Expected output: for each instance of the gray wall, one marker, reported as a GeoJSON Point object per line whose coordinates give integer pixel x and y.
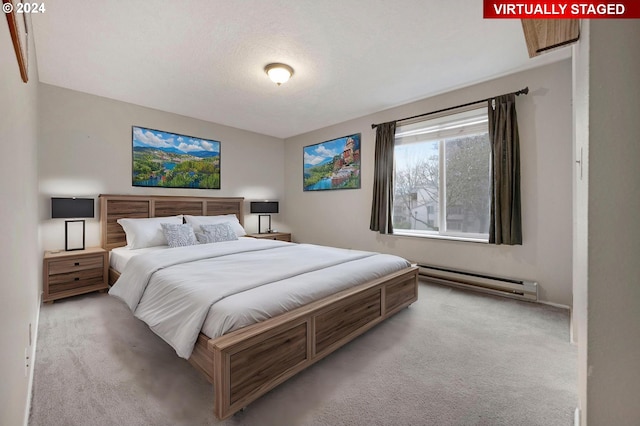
{"type": "Point", "coordinates": [20, 255]}
{"type": "Point", "coordinates": [341, 218]}
{"type": "Point", "coordinates": [85, 150]}
{"type": "Point", "coordinates": [613, 314]}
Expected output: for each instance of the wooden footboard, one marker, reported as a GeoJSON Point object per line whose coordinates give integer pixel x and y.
{"type": "Point", "coordinates": [249, 362]}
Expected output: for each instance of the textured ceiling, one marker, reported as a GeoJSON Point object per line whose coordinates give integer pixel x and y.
{"type": "Point", "coordinates": [205, 58]}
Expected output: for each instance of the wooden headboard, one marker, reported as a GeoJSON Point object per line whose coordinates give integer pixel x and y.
{"type": "Point", "coordinates": [114, 207]}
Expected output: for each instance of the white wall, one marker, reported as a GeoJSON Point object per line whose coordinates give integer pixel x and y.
{"type": "Point", "coordinates": [20, 255]}
{"type": "Point", "coordinates": [341, 218]}
{"type": "Point", "coordinates": [613, 345]}
{"type": "Point", "coordinates": [85, 150]}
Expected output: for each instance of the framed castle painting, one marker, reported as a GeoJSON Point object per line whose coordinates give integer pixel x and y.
{"type": "Point", "coordinates": [333, 164]}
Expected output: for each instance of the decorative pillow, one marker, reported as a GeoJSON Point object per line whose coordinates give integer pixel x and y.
{"type": "Point", "coordinates": [198, 221]}
{"type": "Point", "coordinates": [218, 232]}
{"type": "Point", "coordinates": [146, 232]}
{"type": "Point", "coordinates": [203, 238]}
{"type": "Point", "coordinates": [179, 235]}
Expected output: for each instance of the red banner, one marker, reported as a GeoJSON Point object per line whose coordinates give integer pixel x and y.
{"type": "Point", "coordinates": [571, 9]}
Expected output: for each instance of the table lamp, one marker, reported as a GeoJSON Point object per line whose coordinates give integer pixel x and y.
{"type": "Point", "coordinates": [262, 207]}
{"type": "Point", "coordinates": [72, 208]}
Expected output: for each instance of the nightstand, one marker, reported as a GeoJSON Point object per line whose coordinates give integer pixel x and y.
{"type": "Point", "coordinates": [69, 273]}
{"type": "Point", "coordinates": [282, 236]}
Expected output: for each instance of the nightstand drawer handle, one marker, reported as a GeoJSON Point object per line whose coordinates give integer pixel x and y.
{"type": "Point", "coordinates": [77, 264]}
{"type": "Point", "coordinates": [76, 279]}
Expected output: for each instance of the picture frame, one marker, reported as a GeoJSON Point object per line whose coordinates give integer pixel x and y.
{"type": "Point", "coordinates": [19, 31]}
{"type": "Point", "coordinates": [171, 160]}
{"type": "Point", "coordinates": [333, 164]}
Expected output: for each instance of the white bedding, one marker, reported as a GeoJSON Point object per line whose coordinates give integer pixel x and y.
{"type": "Point", "coordinates": [119, 257]}
{"type": "Point", "coordinates": [217, 288]}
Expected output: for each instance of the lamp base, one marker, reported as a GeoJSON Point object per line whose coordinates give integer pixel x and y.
{"type": "Point", "coordinates": [77, 241]}
{"type": "Point", "coordinates": [268, 231]}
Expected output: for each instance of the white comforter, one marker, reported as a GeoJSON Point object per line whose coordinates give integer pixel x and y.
{"type": "Point", "coordinates": [237, 283]}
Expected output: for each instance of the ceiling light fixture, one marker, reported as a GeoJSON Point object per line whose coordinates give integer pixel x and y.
{"type": "Point", "coordinates": [279, 73]}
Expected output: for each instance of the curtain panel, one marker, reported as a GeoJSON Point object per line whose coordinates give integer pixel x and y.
{"type": "Point", "coordinates": [383, 179]}
{"type": "Point", "coordinates": [506, 221]}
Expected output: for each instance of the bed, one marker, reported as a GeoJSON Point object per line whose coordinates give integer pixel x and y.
{"type": "Point", "coordinates": [245, 363]}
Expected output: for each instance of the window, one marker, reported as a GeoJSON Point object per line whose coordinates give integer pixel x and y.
{"type": "Point", "coordinates": [442, 177]}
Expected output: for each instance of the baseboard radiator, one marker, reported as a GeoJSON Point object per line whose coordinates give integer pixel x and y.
{"type": "Point", "coordinates": [508, 287]}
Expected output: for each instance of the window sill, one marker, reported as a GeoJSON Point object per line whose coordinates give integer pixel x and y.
{"type": "Point", "coordinates": [403, 233]}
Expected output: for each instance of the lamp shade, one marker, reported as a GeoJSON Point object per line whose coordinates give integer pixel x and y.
{"type": "Point", "coordinates": [66, 208]}
{"type": "Point", "coordinates": [264, 207]}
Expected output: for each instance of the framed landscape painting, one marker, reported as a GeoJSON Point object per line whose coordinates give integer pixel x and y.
{"type": "Point", "coordinates": [169, 160]}
{"type": "Point", "coordinates": [333, 164]}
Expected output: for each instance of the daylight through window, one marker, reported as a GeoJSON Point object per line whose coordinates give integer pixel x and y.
{"type": "Point", "coordinates": [442, 177]}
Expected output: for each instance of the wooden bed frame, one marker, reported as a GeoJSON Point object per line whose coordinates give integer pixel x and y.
{"type": "Point", "coordinates": [245, 364]}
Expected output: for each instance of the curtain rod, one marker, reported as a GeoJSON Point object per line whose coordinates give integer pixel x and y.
{"type": "Point", "coordinates": [519, 92]}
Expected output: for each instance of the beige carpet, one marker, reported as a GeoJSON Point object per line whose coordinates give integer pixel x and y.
{"type": "Point", "coordinates": [453, 358]}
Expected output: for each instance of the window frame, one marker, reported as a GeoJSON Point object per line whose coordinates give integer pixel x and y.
{"type": "Point", "coordinates": [446, 234]}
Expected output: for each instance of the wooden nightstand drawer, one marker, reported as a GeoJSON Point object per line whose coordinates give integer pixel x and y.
{"type": "Point", "coordinates": [281, 236]}
{"type": "Point", "coordinates": [77, 283]}
{"type": "Point", "coordinates": [76, 276]}
{"type": "Point", "coordinates": [68, 265]}
{"type": "Point", "coordinates": [71, 273]}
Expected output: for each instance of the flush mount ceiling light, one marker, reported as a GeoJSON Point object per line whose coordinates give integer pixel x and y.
{"type": "Point", "coordinates": [279, 73]}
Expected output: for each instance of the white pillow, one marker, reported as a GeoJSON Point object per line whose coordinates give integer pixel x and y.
{"type": "Point", "coordinates": [179, 235]}
{"type": "Point", "coordinates": [197, 221]}
{"type": "Point", "coordinates": [143, 233]}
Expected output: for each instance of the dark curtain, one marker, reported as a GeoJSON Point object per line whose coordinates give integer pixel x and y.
{"type": "Point", "coordinates": [506, 223]}
{"type": "Point", "coordinates": [383, 179]}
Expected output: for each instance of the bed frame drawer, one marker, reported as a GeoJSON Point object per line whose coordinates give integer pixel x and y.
{"type": "Point", "coordinates": [253, 367]}
{"type": "Point", "coordinates": [398, 295]}
{"type": "Point", "coordinates": [334, 325]}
